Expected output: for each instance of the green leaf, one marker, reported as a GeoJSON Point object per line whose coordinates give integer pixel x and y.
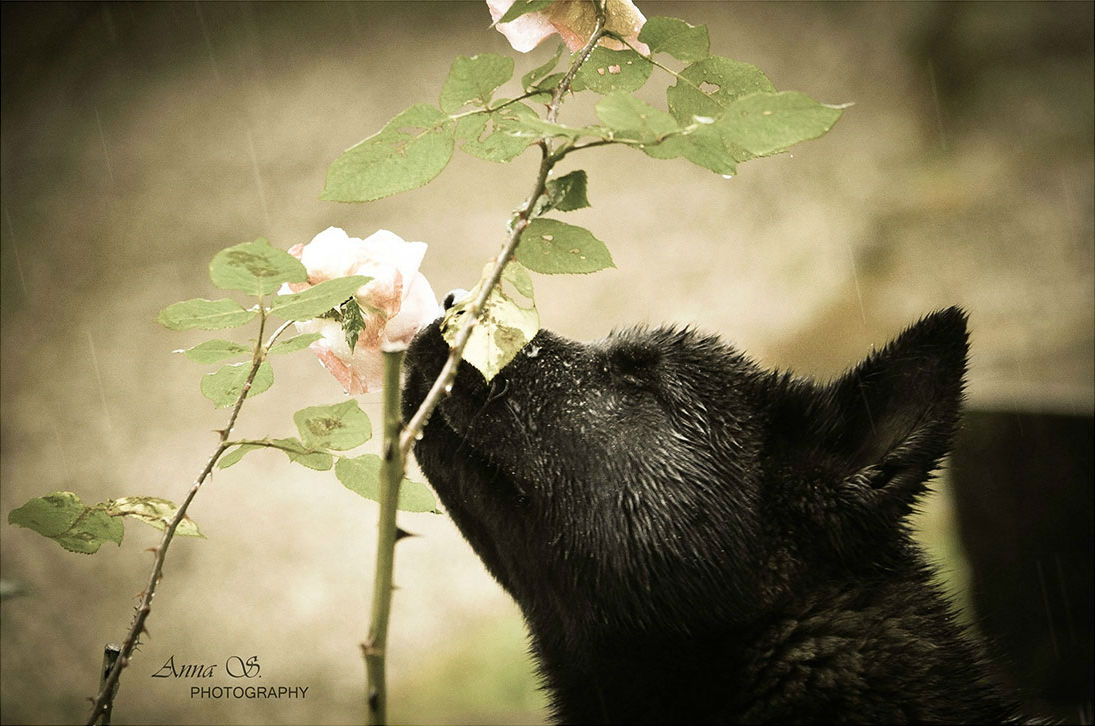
{"type": "Point", "coordinates": [353, 322]}
{"type": "Point", "coordinates": [153, 511]}
{"type": "Point", "coordinates": [361, 475]}
{"type": "Point", "coordinates": [504, 327]}
{"type": "Point", "coordinates": [472, 127]}
{"type": "Point", "coordinates": [607, 71]}
{"type": "Point", "coordinates": [537, 128]}
{"type": "Point", "coordinates": [304, 455]}
{"type": "Point", "coordinates": [62, 517]}
{"type": "Point", "coordinates": [629, 118]}
{"type": "Point", "coordinates": [294, 344]}
{"type": "Point", "coordinates": [255, 268]}
{"type": "Point", "coordinates": [489, 136]}
{"type": "Point", "coordinates": [546, 88]}
{"type": "Point", "coordinates": [410, 151]}
{"type": "Point", "coordinates": [516, 275]}
{"type": "Point", "coordinates": [212, 351]}
{"type": "Point", "coordinates": [551, 247]}
{"type": "Point", "coordinates": [233, 456]}
{"type": "Point", "coordinates": [767, 123]}
{"type": "Point", "coordinates": [704, 146]}
{"type": "Point", "coordinates": [474, 80]}
{"type": "Point", "coordinates": [204, 314]}
{"type": "Point", "coordinates": [531, 80]}
{"type": "Point", "coordinates": [224, 386]}
{"type": "Point", "coordinates": [688, 43]}
{"type": "Point", "coordinates": [339, 426]}
{"type": "Point", "coordinates": [707, 87]}
{"type": "Point", "coordinates": [568, 192]}
{"type": "Point", "coordinates": [317, 300]}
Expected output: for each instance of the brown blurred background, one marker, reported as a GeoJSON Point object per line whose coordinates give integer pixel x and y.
{"type": "Point", "coordinates": [139, 139]}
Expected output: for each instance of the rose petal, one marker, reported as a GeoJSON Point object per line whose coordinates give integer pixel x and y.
{"type": "Point", "coordinates": [573, 20]}
{"type": "Point", "coordinates": [419, 308]}
{"type": "Point", "coordinates": [384, 250]}
{"type": "Point", "coordinates": [325, 257]}
{"type": "Point", "coordinates": [351, 382]}
{"type": "Point", "coordinates": [359, 372]}
{"type": "Point", "coordinates": [524, 33]}
{"type": "Point", "coordinates": [395, 303]}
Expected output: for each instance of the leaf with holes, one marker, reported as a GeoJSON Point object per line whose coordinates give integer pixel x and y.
{"type": "Point", "coordinates": [707, 87]}
{"type": "Point", "coordinates": [504, 326]}
{"type": "Point", "coordinates": [474, 80]}
{"type": "Point", "coordinates": [153, 511]}
{"type": "Point", "coordinates": [62, 517]}
{"type": "Point", "coordinates": [408, 153]}
{"type": "Point", "coordinates": [551, 247]}
{"type": "Point", "coordinates": [688, 43]}
{"type": "Point", "coordinates": [255, 268]}
{"type": "Point", "coordinates": [339, 426]}
{"type": "Point", "coordinates": [489, 136]}
{"type": "Point", "coordinates": [607, 71]}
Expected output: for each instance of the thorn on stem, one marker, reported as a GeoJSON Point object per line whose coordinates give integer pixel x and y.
{"type": "Point", "coordinates": [400, 533]}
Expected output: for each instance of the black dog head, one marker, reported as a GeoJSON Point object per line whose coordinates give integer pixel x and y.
{"type": "Point", "coordinates": [659, 476]}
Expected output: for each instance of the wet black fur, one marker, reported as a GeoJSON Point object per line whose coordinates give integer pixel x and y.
{"type": "Point", "coordinates": [694, 539]}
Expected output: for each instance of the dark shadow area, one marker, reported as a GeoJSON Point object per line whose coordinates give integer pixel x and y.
{"type": "Point", "coordinates": [1022, 482]}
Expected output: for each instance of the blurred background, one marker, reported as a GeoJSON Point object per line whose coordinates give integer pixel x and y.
{"type": "Point", "coordinates": [139, 139]}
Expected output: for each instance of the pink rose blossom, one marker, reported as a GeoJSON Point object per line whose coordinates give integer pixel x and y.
{"type": "Point", "coordinates": [394, 304]}
{"type": "Point", "coordinates": [573, 20]}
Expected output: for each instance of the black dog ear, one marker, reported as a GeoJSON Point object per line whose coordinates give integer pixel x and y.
{"type": "Point", "coordinates": [895, 414]}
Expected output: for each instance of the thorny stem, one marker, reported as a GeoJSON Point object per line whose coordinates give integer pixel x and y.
{"type": "Point", "coordinates": [397, 444]}
{"type": "Point", "coordinates": [374, 649]}
{"type": "Point", "coordinates": [581, 57]}
{"type": "Point", "coordinates": [105, 699]}
{"type": "Point", "coordinates": [549, 157]}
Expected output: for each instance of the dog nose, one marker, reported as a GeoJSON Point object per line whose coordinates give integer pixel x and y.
{"type": "Point", "coordinates": [453, 297]}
